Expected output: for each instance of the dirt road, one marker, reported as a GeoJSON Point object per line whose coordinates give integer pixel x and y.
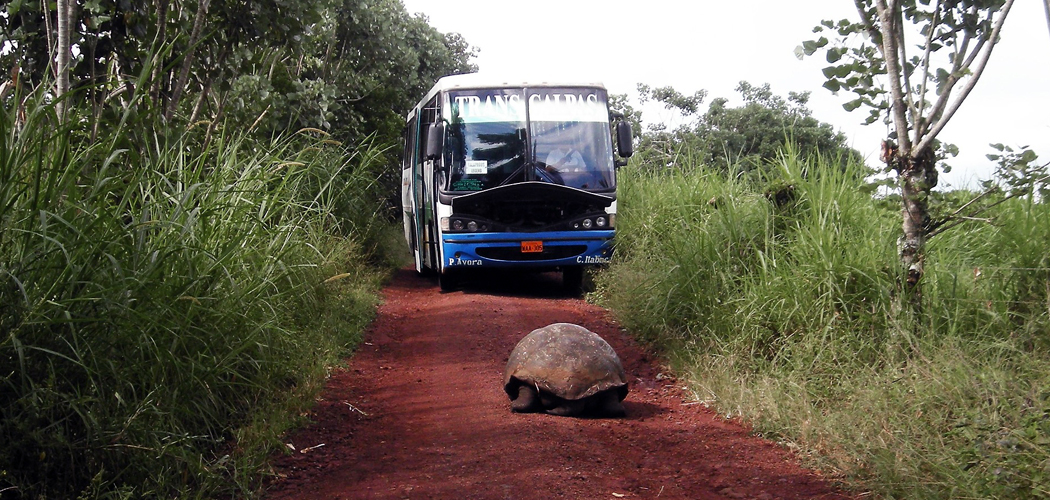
{"type": "Point", "coordinates": [420, 412]}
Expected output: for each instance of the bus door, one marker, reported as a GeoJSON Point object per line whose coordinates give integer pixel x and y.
{"type": "Point", "coordinates": [426, 224]}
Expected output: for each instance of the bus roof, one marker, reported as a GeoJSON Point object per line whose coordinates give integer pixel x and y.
{"type": "Point", "coordinates": [483, 81]}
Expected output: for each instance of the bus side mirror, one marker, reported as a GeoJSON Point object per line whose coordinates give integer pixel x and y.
{"type": "Point", "coordinates": [624, 138]}
{"type": "Point", "coordinates": [435, 140]}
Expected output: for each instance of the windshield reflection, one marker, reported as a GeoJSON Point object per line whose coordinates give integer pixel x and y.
{"type": "Point", "coordinates": [569, 133]}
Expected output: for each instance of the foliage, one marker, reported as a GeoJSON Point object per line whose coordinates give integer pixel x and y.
{"type": "Point", "coordinates": [346, 66]}
{"type": "Point", "coordinates": [742, 139]}
{"type": "Point", "coordinates": [778, 309]}
{"type": "Point", "coordinates": [1019, 172]}
{"type": "Point", "coordinates": [166, 309]}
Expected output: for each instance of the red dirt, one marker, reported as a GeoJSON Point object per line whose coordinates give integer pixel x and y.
{"type": "Point", "coordinates": [420, 412]}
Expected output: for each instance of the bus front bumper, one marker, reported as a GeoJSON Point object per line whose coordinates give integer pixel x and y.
{"type": "Point", "coordinates": [527, 250]}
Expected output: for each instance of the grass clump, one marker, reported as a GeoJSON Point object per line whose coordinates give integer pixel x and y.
{"type": "Point", "coordinates": [776, 301]}
{"type": "Point", "coordinates": [166, 301]}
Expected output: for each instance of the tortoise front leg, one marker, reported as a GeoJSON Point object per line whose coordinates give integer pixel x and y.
{"type": "Point", "coordinates": [569, 408]}
{"type": "Point", "coordinates": [527, 401]}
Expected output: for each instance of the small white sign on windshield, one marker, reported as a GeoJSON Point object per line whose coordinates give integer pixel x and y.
{"type": "Point", "coordinates": [476, 167]}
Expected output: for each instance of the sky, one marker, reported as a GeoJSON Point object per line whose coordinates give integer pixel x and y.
{"type": "Point", "coordinates": [713, 45]}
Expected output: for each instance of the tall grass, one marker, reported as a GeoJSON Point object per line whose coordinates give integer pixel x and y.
{"type": "Point", "coordinates": [776, 303]}
{"type": "Point", "coordinates": [166, 302]}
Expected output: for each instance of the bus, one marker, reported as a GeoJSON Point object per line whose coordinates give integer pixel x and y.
{"type": "Point", "coordinates": [511, 174]}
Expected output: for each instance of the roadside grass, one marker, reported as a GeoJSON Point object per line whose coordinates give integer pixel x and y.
{"type": "Point", "coordinates": [169, 303]}
{"type": "Point", "coordinates": [775, 304]}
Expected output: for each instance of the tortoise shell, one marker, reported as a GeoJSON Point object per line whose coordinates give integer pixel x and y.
{"type": "Point", "coordinates": [566, 360]}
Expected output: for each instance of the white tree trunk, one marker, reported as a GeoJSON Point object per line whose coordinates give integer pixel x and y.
{"type": "Point", "coordinates": [62, 49]}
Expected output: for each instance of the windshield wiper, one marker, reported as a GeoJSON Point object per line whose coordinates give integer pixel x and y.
{"type": "Point", "coordinates": [520, 170]}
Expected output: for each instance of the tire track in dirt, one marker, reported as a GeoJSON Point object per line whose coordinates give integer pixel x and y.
{"type": "Point", "coordinates": [420, 412]}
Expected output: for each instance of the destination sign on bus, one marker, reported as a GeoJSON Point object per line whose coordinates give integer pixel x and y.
{"type": "Point", "coordinates": [544, 105]}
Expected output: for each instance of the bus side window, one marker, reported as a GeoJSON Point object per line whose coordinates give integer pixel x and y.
{"type": "Point", "coordinates": [429, 116]}
{"type": "Point", "coordinates": [411, 133]}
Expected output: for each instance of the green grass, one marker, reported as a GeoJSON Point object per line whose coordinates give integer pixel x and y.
{"type": "Point", "coordinates": [780, 310]}
{"type": "Point", "coordinates": [169, 304]}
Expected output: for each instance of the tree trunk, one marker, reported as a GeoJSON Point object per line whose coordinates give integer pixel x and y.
{"type": "Point", "coordinates": [62, 50]}
{"type": "Point", "coordinates": [162, 39]}
{"type": "Point", "coordinates": [918, 177]}
{"type": "Point", "coordinates": [187, 59]}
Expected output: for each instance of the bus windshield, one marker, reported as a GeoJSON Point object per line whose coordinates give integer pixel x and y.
{"type": "Point", "coordinates": [566, 131]}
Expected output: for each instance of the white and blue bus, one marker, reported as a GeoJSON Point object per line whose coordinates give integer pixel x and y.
{"type": "Point", "coordinates": [518, 174]}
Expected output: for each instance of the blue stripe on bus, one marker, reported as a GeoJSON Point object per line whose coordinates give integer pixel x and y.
{"type": "Point", "coordinates": [461, 250]}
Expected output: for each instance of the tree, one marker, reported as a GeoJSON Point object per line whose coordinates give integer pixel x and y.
{"type": "Point", "coordinates": [917, 93]}
{"type": "Point", "coordinates": [352, 67]}
{"type": "Point", "coordinates": [63, 52]}
{"type": "Point", "coordinates": [740, 139]}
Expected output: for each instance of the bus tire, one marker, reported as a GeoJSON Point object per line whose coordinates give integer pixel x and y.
{"type": "Point", "coordinates": [572, 279]}
{"type": "Point", "coordinates": [447, 280]}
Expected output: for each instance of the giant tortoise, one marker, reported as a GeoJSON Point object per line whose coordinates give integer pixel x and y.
{"type": "Point", "coordinates": [565, 369]}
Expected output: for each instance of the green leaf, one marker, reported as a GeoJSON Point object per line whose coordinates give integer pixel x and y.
{"type": "Point", "coordinates": [852, 105]}
{"type": "Point", "coordinates": [873, 117]}
{"type": "Point", "coordinates": [1029, 156]}
{"type": "Point", "coordinates": [832, 85]}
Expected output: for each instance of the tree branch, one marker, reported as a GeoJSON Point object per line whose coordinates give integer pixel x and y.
{"type": "Point", "coordinates": [869, 25]}
{"type": "Point", "coordinates": [923, 123]}
{"type": "Point", "coordinates": [162, 38]}
{"type": "Point", "coordinates": [958, 64]}
{"type": "Point", "coordinates": [955, 219]}
{"type": "Point", "coordinates": [986, 52]}
{"type": "Point", "coordinates": [888, 27]}
{"type": "Point", "coordinates": [187, 61]}
{"type": "Point", "coordinates": [913, 112]}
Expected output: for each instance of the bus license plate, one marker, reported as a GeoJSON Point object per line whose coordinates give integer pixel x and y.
{"type": "Point", "coordinates": [532, 247]}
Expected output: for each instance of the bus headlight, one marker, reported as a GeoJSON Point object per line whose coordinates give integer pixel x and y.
{"type": "Point", "coordinates": [457, 225]}
{"type": "Point", "coordinates": [473, 226]}
{"type": "Point", "coordinates": [600, 221]}
{"type": "Point", "coordinates": [587, 223]}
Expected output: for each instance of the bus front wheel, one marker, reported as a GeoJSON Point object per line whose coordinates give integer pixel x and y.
{"type": "Point", "coordinates": [447, 280]}
{"type": "Point", "coordinates": [572, 279]}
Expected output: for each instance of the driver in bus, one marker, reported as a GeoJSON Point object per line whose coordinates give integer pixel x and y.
{"type": "Point", "coordinates": [564, 159]}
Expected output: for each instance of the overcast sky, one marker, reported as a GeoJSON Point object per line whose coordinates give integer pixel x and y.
{"type": "Point", "coordinates": [713, 45]}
